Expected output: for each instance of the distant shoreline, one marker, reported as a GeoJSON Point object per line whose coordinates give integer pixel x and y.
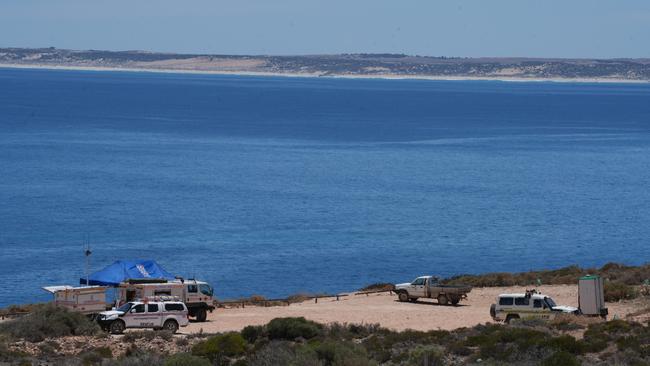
{"type": "Point", "coordinates": [320, 75]}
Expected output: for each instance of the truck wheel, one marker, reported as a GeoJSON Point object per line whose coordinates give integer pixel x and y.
{"type": "Point", "coordinates": [403, 297]}
{"type": "Point", "coordinates": [442, 299]}
{"type": "Point", "coordinates": [117, 327]}
{"type": "Point", "coordinates": [171, 326]}
{"type": "Point", "coordinates": [201, 315]}
{"type": "Point", "coordinates": [511, 317]}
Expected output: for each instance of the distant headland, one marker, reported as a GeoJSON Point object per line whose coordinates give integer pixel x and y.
{"type": "Point", "coordinates": [397, 66]}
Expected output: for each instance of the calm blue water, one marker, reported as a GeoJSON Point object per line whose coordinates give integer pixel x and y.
{"type": "Point", "coordinates": [277, 185]}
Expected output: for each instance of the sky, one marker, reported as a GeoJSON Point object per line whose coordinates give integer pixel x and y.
{"type": "Point", "coordinates": [463, 28]}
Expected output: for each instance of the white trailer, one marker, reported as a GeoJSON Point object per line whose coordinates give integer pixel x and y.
{"type": "Point", "coordinates": [85, 300]}
{"type": "Point", "coordinates": [591, 296]}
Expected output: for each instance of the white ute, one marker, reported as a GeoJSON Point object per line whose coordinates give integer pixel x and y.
{"type": "Point", "coordinates": [166, 315]}
{"type": "Point", "coordinates": [531, 304]}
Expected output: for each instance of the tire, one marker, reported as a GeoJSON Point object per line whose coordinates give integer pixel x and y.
{"type": "Point", "coordinates": [201, 315]}
{"type": "Point", "coordinates": [442, 299]}
{"type": "Point", "coordinates": [170, 325]}
{"type": "Point", "coordinates": [403, 296]}
{"type": "Point", "coordinates": [511, 317]}
{"type": "Point", "coordinates": [117, 327]}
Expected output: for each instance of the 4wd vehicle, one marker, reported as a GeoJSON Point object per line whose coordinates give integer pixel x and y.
{"type": "Point", "coordinates": [197, 295]}
{"type": "Point", "coordinates": [531, 304]}
{"type": "Point", "coordinates": [167, 315]}
{"type": "Point", "coordinates": [429, 286]}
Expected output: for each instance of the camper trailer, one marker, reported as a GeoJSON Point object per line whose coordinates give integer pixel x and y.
{"type": "Point", "coordinates": [86, 300]}
{"type": "Point", "coordinates": [197, 295]}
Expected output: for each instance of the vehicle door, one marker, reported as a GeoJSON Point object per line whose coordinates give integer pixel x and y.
{"type": "Point", "coordinates": [523, 308]}
{"type": "Point", "coordinates": [418, 288]}
{"type": "Point", "coordinates": [192, 294]}
{"type": "Point", "coordinates": [540, 308]}
{"type": "Point", "coordinates": [154, 315]}
{"type": "Point", "coordinates": [134, 317]}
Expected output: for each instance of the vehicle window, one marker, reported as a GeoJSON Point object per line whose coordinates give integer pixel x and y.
{"type": "Point", "coordinates": [205, 289]}
{"type": "Point", "coordinates": [162, 292]}
{"type": "Point", "coordinates": [152, 308]}
{"type": "Point", "coordinates": [522, 301]}
{"type": "Point", "coordinates": [126, 307]}
{"type": "Point", "coordinates": [537, 303]}
{"type": "Point", "coordinates": [138, 308]}
{"type": "Point", "coordinates": [174, 307]}
{"type": "Point", "coordinates": [191, 288]}
{"type": "Point", "coordinates": [551, 304]}
{"type": "Point", "coordinates": [505, 301]}
{"type": "Point", "coordinates": [418, 282]}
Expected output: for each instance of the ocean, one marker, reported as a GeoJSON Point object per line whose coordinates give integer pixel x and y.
{"type": "Point", "coordinates": [275, 185]}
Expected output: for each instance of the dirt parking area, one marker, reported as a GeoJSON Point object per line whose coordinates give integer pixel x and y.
{"type": "Point", "coordinates": [384, 309]}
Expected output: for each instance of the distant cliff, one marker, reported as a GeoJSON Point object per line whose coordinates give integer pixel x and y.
{"type": "Point", "coordinates": [388, 65]}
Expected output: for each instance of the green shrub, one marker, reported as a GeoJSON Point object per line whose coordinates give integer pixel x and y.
{"type": "Point", "coordinates": [252, 332]}
{"type": "Point", "coordinates": [561, 358]}
{"type": "Point", "coordinates": [186, 359]}
{"type": "Point", "coordinates": [426, 356]}
{"type": "Point", "coordinates": [337, 353]}
{"type": "Point", "coordinates": [135, 357]}
{"type": "Point", "coordinates": [292, 328]}
{"type": "Point", "coordinates": [276, 353]}
{"type": "Point", "coordinates": [91, 358]}
{"type": "Point", "coordinates": [49, 321]}
{"type": "Point", "coordinates": [147, 335]}
{"type": "Point", "coordinates": [217, 347]}
{"type": "Point", "coordinates": [566, 343]}
{"type": "Point", "coordinates": [615, 291]}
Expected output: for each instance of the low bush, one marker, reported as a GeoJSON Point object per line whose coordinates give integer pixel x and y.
{"type": "Point", "coordinates": [561, 358]}
{"type": "Point", "coordinates": [615, 291]}
{"type": "Point", "coordinates": [186, 359]}
{"type": "Point", "coordinates": [292, 328]}
{"type": "Point", "coordinates": [252, 332]}
{"type": "Point", "coordinates": [221, 346]}
{"type": "Point", "coordinates": [426, 356]}
{"type": "Point", "coordinates": [49, 321]}
{"type": "Point", "coordinates": [337, 353]}
{"type": "Point", "coordinates": [136, 358]}
{"type": "Point", "coordinates": [147, 335]}
{"type": "Point", "coordinates": [380, 286]}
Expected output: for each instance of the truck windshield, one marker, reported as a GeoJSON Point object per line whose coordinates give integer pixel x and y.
{"type": "Point", "coordinates": [550, 302]}
{"type": "Point", "coordinates": [205, 289]}
{"type": "Point", "coordinates": [125, 308]}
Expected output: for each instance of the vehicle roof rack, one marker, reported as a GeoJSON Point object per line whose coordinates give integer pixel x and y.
{"type": "Point", "coordinates": [161, 298]}
{"type": "Point", "coordinates": [133, 281]}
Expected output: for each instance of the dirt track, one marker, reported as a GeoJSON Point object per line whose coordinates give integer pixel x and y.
{"type": "Point", "coordinates": [384, 309]}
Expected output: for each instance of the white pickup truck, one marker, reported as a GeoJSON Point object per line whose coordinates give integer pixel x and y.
{"type": "Point", "coordinates": [429, 287]}
{"type": "Point", "coordinates": [167, 315]}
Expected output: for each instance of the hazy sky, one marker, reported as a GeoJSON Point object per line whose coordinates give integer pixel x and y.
{"type": "Point", "coordinates": [549, 28]}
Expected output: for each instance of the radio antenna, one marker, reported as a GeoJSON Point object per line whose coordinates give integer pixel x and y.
{"type": "Point", "coordinates": [87, 253]}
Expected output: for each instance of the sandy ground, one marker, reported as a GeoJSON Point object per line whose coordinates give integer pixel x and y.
{"type": "Point", "coordinates": [249, 71]}
{"type": "Point", "coordinates": [384, 309]}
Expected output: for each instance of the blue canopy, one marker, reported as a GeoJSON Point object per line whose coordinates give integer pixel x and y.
{"type": "Point", "coordinates": [123, 270]}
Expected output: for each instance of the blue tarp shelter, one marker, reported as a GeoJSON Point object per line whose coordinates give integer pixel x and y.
{"type": "Point", "coordinates": [123, 270]}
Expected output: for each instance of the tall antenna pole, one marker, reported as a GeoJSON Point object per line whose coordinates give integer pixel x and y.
{"type": "Point", "coordinates": [87, 253]}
